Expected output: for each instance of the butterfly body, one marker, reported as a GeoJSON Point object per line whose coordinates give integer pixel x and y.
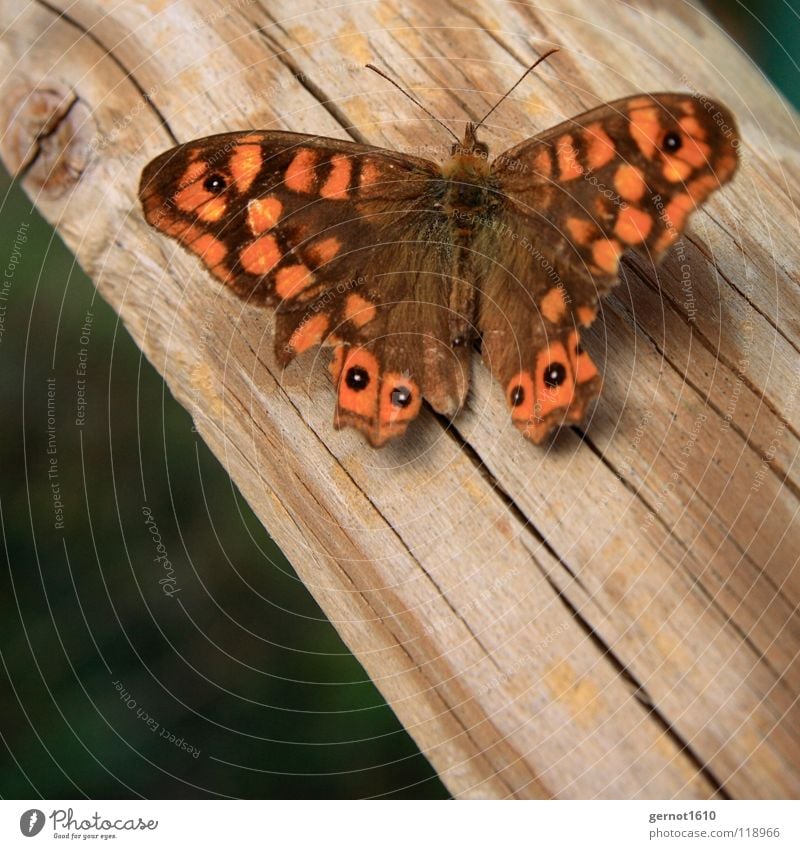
{"type": "Point", "coordinates": [400, 264]}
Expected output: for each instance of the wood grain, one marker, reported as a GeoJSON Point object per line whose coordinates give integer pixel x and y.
{"type": "Point", "coordinates": [613, 616]}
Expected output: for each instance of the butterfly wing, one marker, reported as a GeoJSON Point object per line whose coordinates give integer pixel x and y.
{"type": "Point", "coordinates": [339, 238]}
{"type": "Point", "coordinates": [623, 176]}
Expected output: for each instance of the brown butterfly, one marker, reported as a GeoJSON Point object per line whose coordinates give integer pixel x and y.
{"type": "Point", "coordinates": [401, 264]}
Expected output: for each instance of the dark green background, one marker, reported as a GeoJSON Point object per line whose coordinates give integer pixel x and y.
{"type": "Point", "coordinates": [241, 663]}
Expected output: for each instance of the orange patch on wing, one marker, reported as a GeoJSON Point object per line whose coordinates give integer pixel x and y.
{"type": "Point", "coordinates": [209, 249]}
{"type": "Point", "coordinates": [602, 206]}
{"type": "Point", "coordinates": [310, 333]}
{"type": "Point", "coordinates": [725, 167]}
{"type": "Point", "coordinates": [702, 187]}
{"type": "Point", "coordinates": [324, 250]}
{"type": "Point", "coordinates": [694, 152]}
{"type": "Point", "coordinates": [362, 401]}
{"type": "Point", "coordinates": [370, 174]}
{"type": "Point", "coordinates": [191, 198]}
{"type": "Point", "coordinates": [300, 175]}
{"type": "Point", "coordinates": [261, 256]}
{"type": "Point", "coordinates": [568, 166]}
{"type": "Point", "coordinates": [542, 162]}
{"type": "Point", "coordinates": [553, 306]}
{"type": "Point", "coordinates": [179, 230]}
{"type": "Point", "coordinates": [667, 238]}
{"type": "Point", "coordinates": [676, 170]}
{"type": "Point", "coordinates": [606, 254]}
{"type": "Point", "coordinates": [582, 366]}
{"type": "Point", "coordinates": [335, 187]}
{"type": "Point", "coordinates": [292, 280]}
{"type": "Point", "coordinates": [586, 315]}
{"type": "Point", "coordinates": [212, 210]}
{"type": "Point", "coordinates": [521, 397]}
{"type": "Point", "coordinates": [358, 310]}
{"type": "Point", "coordinates": [581, 230]}
{"type": "Point", "coordinates": [600, 149]}
{"type": "Point", "coordinates": [245, 165]}
{"type": "Point", "coordinates": [633, 225]}
{"type": "Point", "coordinates": [629, 182]}
{"type": "Point", "coordinates": [194, 172]}
{"type": "Point", "coordinates": [693, 127]}
{"type": "Point", "coordinates": [675, 214]}
{"type": "Point", "coordinates": [393, 417]}
{"type": "Point", "coordinates": [336, 363]}
{"type": "Point", "coordinates": [640, 103]}
{"type": "Point", "coordinates": [678, 209]}
{"type": "Point", "coordinates": [551, 397]}
{"type": "Point", "coordinates": [645, 129]}
{"type": "Point", "coordinates": [263, 214]}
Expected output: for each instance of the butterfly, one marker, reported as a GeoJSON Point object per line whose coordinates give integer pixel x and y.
{"type": "Point", "coordinates": [403, 266]}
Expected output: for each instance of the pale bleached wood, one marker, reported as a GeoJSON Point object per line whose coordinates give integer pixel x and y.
{"type": "Point", "coordinates": [572, 622]}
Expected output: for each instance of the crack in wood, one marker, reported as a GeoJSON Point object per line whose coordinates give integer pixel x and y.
{"type": "Point", "coordinates": [711, 600]}
{"type": "Point", "coordinates": [52, 127]}
{"type": "Point", "coordinates": [484, 29]}
{"type": "Point", "coordinates": [638, 690]}
{"type": "Point", "coordinates": [644, 698]}
{"type": "Point", "coordinates": [316, 92]}
{"type": "Point", "coordinates": [701, 248]}
{"type": "Point", "coordinates": [743, 555]}
{"type": "Point", "coordinates": [116, 60]}
{"type": "Point", "coordinates": [721, 358]}
{"type": "Point", "coordinates": [395, 533]}
{"type": "Point", "coordinates": [526, 524]}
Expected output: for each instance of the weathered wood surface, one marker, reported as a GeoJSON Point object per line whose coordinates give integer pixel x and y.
{"type": "Point", "coordinates": [612, 617]}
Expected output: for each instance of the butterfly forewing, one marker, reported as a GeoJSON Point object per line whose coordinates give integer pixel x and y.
{"type": "Point", "coordinates": [624, 175]}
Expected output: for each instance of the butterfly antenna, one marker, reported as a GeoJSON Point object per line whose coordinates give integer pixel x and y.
{"type": "Point", "coordinates": [537, 62]}
{"type": "Point", "coordinates": [413, 99]}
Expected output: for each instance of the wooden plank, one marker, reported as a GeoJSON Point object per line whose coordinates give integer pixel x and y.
{"type": "Point", "coordinates": [612, 616]}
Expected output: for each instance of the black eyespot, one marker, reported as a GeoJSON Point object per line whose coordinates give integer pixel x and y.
{"type": "Point", "coordinates": [401, 396]}
{"type": "Point", "coordinates": [459, 341]}
{"type": "Point", "coordinates": [517, 396]}
{"type": "Point", "coordinates": [357, 378]}
{"type": "Point", "coordinates": [672, 142]}
{"type": "Point", "coordinates": [578, 349]}
{"type": "Point", "coordinates": [215, 183]}
{"type": "Point", "coordinates": [554, 375]}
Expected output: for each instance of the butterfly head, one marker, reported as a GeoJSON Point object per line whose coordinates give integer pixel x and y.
{"type": "Point", "coordinates": [469, 158]}
{"type": "Point", "coordinates": [470, 145]}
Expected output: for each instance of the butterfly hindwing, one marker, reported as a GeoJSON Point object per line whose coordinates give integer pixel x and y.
{"type": "Point", "coordinates": [531, 342]}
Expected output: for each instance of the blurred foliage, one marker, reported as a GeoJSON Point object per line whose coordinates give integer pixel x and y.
{"type": "Point", "coordinates": [769, 30]}
{"type": "Point", "coordinates": [97, 662]}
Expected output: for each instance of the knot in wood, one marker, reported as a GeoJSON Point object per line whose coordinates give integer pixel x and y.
{"type": "Point", "coordinates": [47, 136]}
